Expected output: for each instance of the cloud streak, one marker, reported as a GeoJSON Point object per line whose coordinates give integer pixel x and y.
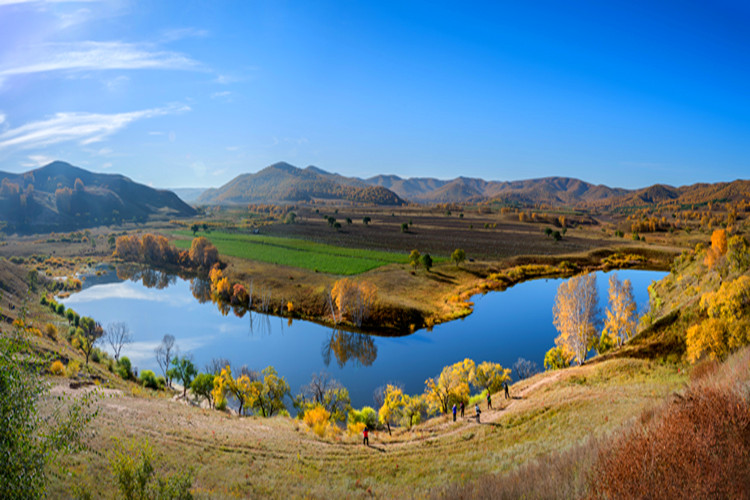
{"type": "Point", "coordinates": [86, 128]}
{"type": "Point", "coordinates": [95, 56]}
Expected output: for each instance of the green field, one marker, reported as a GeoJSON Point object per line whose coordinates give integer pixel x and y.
{"type": "Point", "coordinates": [296, 253]}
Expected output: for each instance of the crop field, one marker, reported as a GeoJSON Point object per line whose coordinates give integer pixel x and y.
{"type": "Point", "coordinates": [295, 252]}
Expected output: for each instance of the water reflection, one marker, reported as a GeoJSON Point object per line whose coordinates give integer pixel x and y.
{"type": "Point", "coordinates": [360, 348]}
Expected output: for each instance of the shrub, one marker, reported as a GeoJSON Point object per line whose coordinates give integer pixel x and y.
{"type": "Point", "coordinates": [366, 416]}
{"type": "Point", "coordinates": [318, 419]}
{"type": "Point", "coordinates": [73, 368]}
{"type": "Point", "coordinates": [700, 448]}
{"type": "Point", "coordinates": [124, 368]}
{"type": "Point", "coordinates": [57, 368]}
{"type": "Point", "coordinates": [60, 309]}
{"type": "Point", "coordinates": [50, 331]}
{"type": "Point", "coordinates": [148, 380]}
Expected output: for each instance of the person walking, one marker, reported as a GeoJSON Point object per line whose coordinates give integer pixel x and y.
{"type": "Point", "coordinates": [507, 392]}
{"type": "Point", "coordinates": [454, 412]}
{"type": "Point", "coordinates": [366, 440]}
{"type": "Point", "coordinates": [489, 400]}
{"type": "Point", "coordinates": [462, 409]}
{"type": "Point", "coordinates": [476, 407]}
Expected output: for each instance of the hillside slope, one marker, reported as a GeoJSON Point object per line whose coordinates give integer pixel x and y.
{"type": "Point", "coordinates": [282, 182]}
{"type": "Point", "coordinates": [60, 197]}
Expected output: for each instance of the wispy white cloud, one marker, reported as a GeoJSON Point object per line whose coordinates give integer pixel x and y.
{"type": "Point", "coordinates": [38, 161]}
{"type": "Point", "coordinates": [174, 35]}
{"type": "Point", "coordinates": [86, 128]}
{"type": "Point", "coordinates": [218, 95]}
{"type": "Point", "coordinates": [90, 56]}
{"type": "Point", "coordinates": [2, 118]}
{"type": "Point", "coordinates": [14, 2]}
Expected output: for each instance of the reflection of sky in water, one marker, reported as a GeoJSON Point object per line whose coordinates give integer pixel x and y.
{"type": "Point", "coordinates": [504, 326]}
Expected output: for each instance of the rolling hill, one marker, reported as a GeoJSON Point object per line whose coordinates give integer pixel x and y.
{"type": "Point", "coordinates": [61, 197]}
{"type": "Point", "coordinates": [282, 182]}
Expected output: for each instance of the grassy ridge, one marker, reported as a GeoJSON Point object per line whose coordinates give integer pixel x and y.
{"type": "Point", "coordinates": [296, 253]}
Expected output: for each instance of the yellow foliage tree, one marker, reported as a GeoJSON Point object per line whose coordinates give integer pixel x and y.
{"type": "Point", "coordinates": [393, 404]}
{"type": "Point", "coordinates": [318, 419]}
{"type": "Point", "coordinates": [490, 376]}
{"type": "Point", "coordinates": [574, 315]}
{"type": "Point", "coordinates": [621, 318]}
{"type": "Point", "coordinates": [718, 248]}
{"type": "Point", "coordinates": [353, 299]}
{"type": "Point", "coordinates": [452, 385]}
{"type": "Point", "coordinates": [414, 407]}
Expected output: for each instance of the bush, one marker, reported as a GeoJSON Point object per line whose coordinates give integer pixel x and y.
{"type": "Point", "coordinates": [124, 368]}
{"type": "Point", "coordinates": [318, 419]}
{"type": "Point", "coordinates": [700, 448]}
{"type": "Point", "coordinates": [148, 380]}
{"type": "Point", "coordinates": [73, 368]}
{"type": "Point", "coordinates": [60, 309]}
{"type": "Point", "coordinates": [50, 331]}
{"type": "Point", "coordinates": [57, 368]}
{"type": "Point", "coordinates": [366, 416]}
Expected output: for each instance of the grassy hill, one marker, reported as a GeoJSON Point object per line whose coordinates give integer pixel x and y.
{"type": "Point", "coordinates": [281, 182]}
{"type": "Point", "coordinates": [61, 197]}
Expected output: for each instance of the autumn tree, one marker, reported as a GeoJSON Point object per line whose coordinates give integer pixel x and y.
{"type": "Point", "coordinates": [202, 386]}
{"type": "Point", "coordinates": [458, 256]}
{"type": "Point", "coordinates": [557, 358]}
{"type": "Point", "coordinates": [715, 255]}
{"type": "Point", "coordinates": [117, 334]}
{"type": "Point", "coordinates": [621, 318]}
{"type": "Point", "coordinates": [89, 334]}
{"type": "Point", "coordinates": [490, 376]}
{"type": "Point", "coordinates": [393, 404]}
{"type": "Point", "coordinates": [414, 257]}
{"type": "Point", "coordinates": [353, 300]}
{"type": "Point", "coordinates": [575, 315]}
{"type": "Point", "coordinates": [164, 352]}
{"type": "Point", "coordinates": [184, 371]}
{"type": "Point", "coordinates": [452, 385]}
{"type": "Point", "coordinates": [241, 387]}
{"type": "Point", "coordinates": [325, 391]}
{"type": "Point", "coordinates": [413, 409]}
{"type": "Point", "coordinates": [267, 395]}
{"type": "Point", "coordinates": [203, 253]}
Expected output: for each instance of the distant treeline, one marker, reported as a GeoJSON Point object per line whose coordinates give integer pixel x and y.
{"type": "Point", "coordinates": [156, 250]}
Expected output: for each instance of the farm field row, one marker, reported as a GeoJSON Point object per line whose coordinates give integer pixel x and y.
{"type": "Point", "coordinates": [295, 252]}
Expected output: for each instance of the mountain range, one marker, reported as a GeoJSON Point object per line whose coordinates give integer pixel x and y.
{"type": "Point", "coordinates": [282, 182]}
{"type": "Point", "coordinates": [60, 197]}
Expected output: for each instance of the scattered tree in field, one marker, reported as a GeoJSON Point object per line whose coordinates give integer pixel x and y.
{"type": "Point", "coordinates": [738, 254]}
{"type": "Point", "coordinates": [184, 371]}
{"type": "Point", "coordinates": [240, 388]}
{"type": "Point", "coordinates": [575, 315]}
{"type": "Point", "coordinates": [366, 220]}
{"type": "Point", "coordinates": [524, 368]}
{"type": "Point", "coordinates": [557, 358]}
{"type": "Point", "coordinates": [164, 354]}
{"type": "Point", "coordinates": [117, 335]}
{"type": "Point", "coordinates": [490, 376]}
{"type": "Point", "coordinates": [426, 261]}
{"type": "Point", "coordinates": [353, 299]}
{"type": "Point", "coordinates": [290, 218]}
{"type": "Point", "coordinates": [404, 227]}
{"type": "Point", "coordinates": [89, 334]}
{"type": "Point", "coordinates": [393, 404]}
{"type": "Point", "coordinates": [348, 220]}
{"type": "Point", "coordinates": [458, 256]}
{"type": "Point", "coordinates": [29, 442]}
{"type": "Point", "coordinates": [621, 318]}
{"type": "Point", "coordinates": [202, 386]}
{"type": "Point", "coordinates": [414, 257]}
{"type": "Point", "coordinates": [452, 385]}
{"type": "Point", "coordinates": [194, 228]}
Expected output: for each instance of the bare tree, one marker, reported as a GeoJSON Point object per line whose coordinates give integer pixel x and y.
{"type": "Point", "coordinates": [117, 335]}
{"type": "Point", "coordinates": [525, 368]}
{"type": "Point", "coordinates": [216, 365]}
{"type": "Point", "coordinates": [164, 354]}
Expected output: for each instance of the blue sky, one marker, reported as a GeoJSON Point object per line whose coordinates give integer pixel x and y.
{"type": "Point", "coordinates": [193, 93]}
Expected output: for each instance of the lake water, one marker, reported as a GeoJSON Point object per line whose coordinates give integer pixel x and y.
{"type": "Point", "coordinates": [505, 326]}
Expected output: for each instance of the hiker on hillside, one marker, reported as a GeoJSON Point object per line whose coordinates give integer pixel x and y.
{"type": "Point", "coordinates": [462, 409]}
{"type": "Point", "coordinates": [476, 407]}
{"type": "Point", "coordinates": [366, 440]}
{"type": "Point", "coordinates": [489, 400]}
{"type": "Point", "coordinates": [507, 392]}
{"type": "Point", "coordinates": [454, 412]}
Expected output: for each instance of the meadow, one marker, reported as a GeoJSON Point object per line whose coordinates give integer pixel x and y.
{"type": "Point", "coordinates": [298, 253]}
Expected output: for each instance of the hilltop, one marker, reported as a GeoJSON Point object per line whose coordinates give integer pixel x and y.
{"type": "Point", "coordinates": [282, 182]}
{"type": "Point", "coordinates": [60, 197]}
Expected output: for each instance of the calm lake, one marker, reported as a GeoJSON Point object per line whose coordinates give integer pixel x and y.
{"type": "Point", "coordinates": [504, 326]}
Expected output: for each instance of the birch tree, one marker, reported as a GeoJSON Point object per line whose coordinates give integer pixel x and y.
{"type": "Point", "coordinates": [621, 317]}
{"type": "Point", "coordinates": [575, 315]}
